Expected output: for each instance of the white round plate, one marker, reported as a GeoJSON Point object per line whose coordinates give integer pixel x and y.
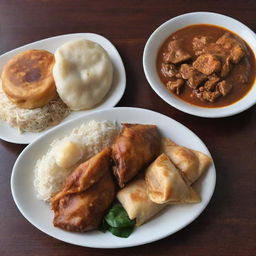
{"type": "Point", "coordinates": [10, 134]}
{"type": "Point", "coordinates": [169, 221]}
{"type": "Point", "coordinates": [166, 29]}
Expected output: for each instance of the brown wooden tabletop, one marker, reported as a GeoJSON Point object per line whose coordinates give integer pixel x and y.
{"type": "Point", "coordinates": [228, 224]}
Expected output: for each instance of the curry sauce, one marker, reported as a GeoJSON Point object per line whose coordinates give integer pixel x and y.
{"type": "Point", "coordinates": [206, 65]}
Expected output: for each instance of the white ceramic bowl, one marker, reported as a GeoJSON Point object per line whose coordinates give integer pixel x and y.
{"type": "Point", "coordinates": [160, 35]}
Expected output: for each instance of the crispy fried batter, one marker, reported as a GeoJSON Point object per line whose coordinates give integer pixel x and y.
{"type": "Point", "coordinates": [86, 196]}
{"type": "Point", "coordinates": [135, 147]}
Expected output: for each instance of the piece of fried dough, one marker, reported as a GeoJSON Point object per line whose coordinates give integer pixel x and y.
{"type": "Point", "coordinates": [191, 163]}
{"type": "Point", "coordinates": [165, 183]}
{"type": "Point", "coordinates": [27, 79]}
{"type": "Point", "coordinates": [135, 200]}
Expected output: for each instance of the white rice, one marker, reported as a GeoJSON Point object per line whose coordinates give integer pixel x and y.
{"type": "Point", "coordinates": [32, 120]}
{"type": "Point", "coordinates": [92, 137]}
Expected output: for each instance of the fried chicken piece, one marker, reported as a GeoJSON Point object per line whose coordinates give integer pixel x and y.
{"type": "Point", "coordinates": [136, 146]}
{"type": "Point", "coordinates": [86, 196]}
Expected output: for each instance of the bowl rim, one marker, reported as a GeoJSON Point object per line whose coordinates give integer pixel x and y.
{"type": "Point", "coordinates": [153, 79]}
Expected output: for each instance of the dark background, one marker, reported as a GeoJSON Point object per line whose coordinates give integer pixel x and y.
{"type": "Point", "coordinates": [228, 225]}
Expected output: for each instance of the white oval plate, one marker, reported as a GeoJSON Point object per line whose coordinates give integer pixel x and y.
{"type": "Point", "coordinates": [10, 134]}
{"type": "Point", "coordinates": [166, 223]}
{"type": "Point", "coordinates": [166, 29]}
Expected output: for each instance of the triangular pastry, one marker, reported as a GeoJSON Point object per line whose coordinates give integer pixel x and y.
{"type": "Point", "coordinates": [192, 163]}
{"type": "Point", "coordinates": [165, 183]}
{"type": "Point", "coordinates": [135, 200]}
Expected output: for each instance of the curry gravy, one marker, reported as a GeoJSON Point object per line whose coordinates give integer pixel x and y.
{"type": "Point", "coordinates": [245, 68]}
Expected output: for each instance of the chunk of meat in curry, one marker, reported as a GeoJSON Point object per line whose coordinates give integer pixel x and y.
{"type": "Point", "coordinates": [193, 77]}
{"type": "Point", "coordinates": [176, 52]}
{"type": "Point", "coordinates": [207, 64]}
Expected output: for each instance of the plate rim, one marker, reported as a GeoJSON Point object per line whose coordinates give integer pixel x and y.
{"type": "Point", "coordinates": [188, 108]}
{"type": "Point", "coordinates": [14, 170]}
{"type": "Point", "coordinates": [117, 95]}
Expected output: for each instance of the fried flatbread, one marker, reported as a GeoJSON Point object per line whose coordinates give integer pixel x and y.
{"type": "Point", "coordinates": [27, 79]}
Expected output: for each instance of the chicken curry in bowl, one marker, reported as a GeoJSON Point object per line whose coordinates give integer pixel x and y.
{"type": "Point", "coordinates": [206, 65]}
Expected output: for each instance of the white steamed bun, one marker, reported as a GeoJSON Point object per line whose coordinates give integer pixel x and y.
{"type": "Point", "coordinates": [83, 73]}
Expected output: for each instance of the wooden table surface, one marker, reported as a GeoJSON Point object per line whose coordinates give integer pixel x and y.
{"type": "Point", "coordinates": [228, 225]}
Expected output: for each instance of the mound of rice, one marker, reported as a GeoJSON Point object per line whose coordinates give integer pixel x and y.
{"type": "Point", "coordinates": [91, 137]}
{"type": "Point", "coordinates": [32, 120]}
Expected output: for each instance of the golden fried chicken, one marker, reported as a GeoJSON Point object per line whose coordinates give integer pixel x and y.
{"type": "Point", "coordinates": [136, 146]}
{"type": "Point", "coordinates": [86, 196]}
